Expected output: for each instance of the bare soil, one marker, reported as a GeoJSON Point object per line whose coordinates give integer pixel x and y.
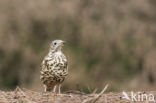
{"type": "Point", "coordinates": [29, 96]}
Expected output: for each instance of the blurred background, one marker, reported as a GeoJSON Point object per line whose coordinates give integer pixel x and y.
{"type": "Point", "coordinates": [108, 42]}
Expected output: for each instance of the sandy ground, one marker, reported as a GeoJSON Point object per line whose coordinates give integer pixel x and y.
{"type": "Point", "coordinates": [29, 96]}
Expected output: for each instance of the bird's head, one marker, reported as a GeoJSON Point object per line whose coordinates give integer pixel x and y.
{"type": "Point", "coordinates": [56, 45]}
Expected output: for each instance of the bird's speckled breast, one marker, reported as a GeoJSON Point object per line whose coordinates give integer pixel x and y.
{"type": "Point", "coordinates": [54, 69]}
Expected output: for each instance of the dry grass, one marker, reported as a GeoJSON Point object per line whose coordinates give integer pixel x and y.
{"type": "Point", "coordinates": [29, 96]}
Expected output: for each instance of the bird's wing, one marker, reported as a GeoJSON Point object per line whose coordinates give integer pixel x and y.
{"type": "Point", "coordinates": [46, 63]}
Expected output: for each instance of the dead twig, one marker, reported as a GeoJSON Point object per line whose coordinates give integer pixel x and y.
{"type": "Point", "coordinates": [95, 90]}
{"type": "Point", "coordinates": [96, 96]}
{"type": "Point", "coordinates": [26, 97]}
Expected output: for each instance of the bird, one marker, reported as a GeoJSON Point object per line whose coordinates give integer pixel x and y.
{"type": "Point", "coordinates": [54, 67]}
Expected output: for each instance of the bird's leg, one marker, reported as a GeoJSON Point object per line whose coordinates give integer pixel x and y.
{"type": "Point", "coordinates": [59, 88]}
{"type": "Point", "coordinates": [54, 89]}
{"type": "Point", "coordinates": [45, 88]}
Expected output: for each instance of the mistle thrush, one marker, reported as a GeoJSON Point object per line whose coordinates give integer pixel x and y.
{"type": "Point", "coordinates": [54, 67]}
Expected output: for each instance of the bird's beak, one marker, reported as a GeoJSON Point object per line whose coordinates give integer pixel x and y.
{"type": "Point", "coordinates": [63, 42]}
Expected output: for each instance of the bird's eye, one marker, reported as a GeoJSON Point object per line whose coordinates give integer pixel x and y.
{"type": "Point", "coordinates": [55, 43]}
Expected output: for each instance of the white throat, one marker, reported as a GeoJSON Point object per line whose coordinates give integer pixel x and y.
{"type": "Point", "coordinates": [58, 52]}
{"type": "Point", "coordinates": [53, 52]}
